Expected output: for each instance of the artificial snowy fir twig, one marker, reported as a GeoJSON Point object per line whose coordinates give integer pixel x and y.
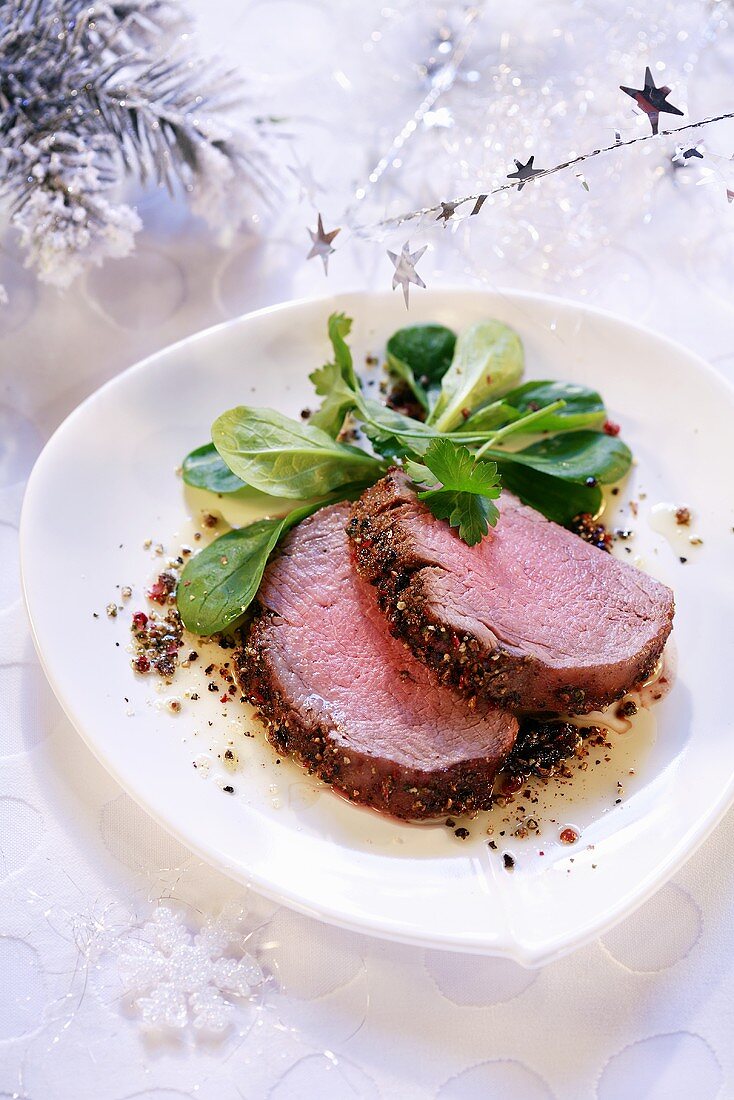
{"type": "Point", "coordinates": [89, 94]}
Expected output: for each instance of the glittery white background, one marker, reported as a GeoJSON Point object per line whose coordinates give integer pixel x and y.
{"type": "Point", "coordinates": [648, 1011]}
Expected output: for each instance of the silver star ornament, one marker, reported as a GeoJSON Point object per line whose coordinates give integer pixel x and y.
{"type": "Point", "coordinates": [684, 154]}
{"type": "Point", "coordinates": [524, 172]}
{"type": "Point", "coordinates": [405, 272]}
{"type": "Point", "coordinates": [321, 244]}
{"type": "Point", "coordinates": [448, 209]}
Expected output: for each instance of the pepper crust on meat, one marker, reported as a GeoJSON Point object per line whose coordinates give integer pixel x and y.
{"type": "Point", "coordinates": [532, 617]}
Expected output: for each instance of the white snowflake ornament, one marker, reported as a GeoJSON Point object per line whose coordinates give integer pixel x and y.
{"type": "Point", "coordinates": [166, 930]}
{"type": "Point", "coordinates": [141, 965]}
{"type": "Point", "coordinates": [237, 976]}
{"type": "Point", "coordinates": [189, 967]}
{"type": "Point", "coordinates": [214, 938]}
{"type": "Point", "coordinates": [165, 1006]}
{"type": "Point", "coordinates": [177, 978]}
{"type": "Point", "coordinates": [210, 1011]}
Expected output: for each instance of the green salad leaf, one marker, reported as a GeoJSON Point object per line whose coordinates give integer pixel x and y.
{"type": "Point", "coordinates": [578, 456]}
{"type": "Point", "coordinates": [582, 408]}
{"type": "Point", "coordinates": [285, 458]}
{"type": "Point", "coordinates": [204, 468]}
{"type": "Point", "coordinates": [490, 417]}
{"type": "Point", "coordinates": [488, 361]}
{"type": "Point", "coordinates": [219, 584]}
{"type": "Point", "coordinates": [554, 497]}
{"type": "Point", "coordinates": [419, 356]}
{"type": "Point", "coordinates": [573, 407]}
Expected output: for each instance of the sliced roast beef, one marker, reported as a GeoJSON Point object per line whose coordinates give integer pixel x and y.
{"type": "Point", "coordinates": [348, 700]}
{"type": "Point", "coordinates": [531, 617]}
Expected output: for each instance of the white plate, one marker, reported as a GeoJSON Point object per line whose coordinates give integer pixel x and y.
{"type": "Point", "coordinates": [106, 482]}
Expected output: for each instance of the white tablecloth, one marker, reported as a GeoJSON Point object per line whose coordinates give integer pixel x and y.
{"type": "Point", "coordinates": [648, 1011]}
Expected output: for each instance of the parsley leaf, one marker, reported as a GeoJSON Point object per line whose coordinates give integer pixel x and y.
{"type": "Point", "coordinates": [336, 381]}
{"type": "Point", "coordinates": [471, 514]}
{"type": "Point", "coordinates": [457, 468]}
{"type": "Point", "coordinates": [462, 489]}
{"type": "Point", "coordinates": [420, 474]}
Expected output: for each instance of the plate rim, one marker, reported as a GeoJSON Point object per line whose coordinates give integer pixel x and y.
{"type": "Point", "coordinates": [375, 925]}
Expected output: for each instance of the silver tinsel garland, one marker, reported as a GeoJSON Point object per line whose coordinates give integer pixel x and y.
{"type": "Point", "coordinates": [92, 93]}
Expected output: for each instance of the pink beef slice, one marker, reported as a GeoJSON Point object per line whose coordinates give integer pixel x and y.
{"type": "Point", "coordinates": [349, 701]}
{"type": "Point", "coordinates": [532, 617]}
